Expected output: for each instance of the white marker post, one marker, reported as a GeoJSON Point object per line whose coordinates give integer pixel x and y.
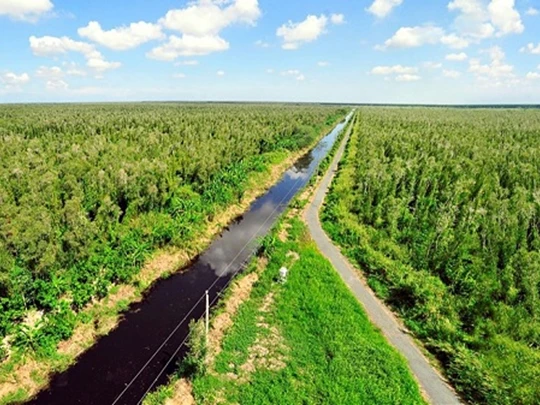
{"type": "Point", "coordinates": [283, 275]}
{"type": "Point", "coordinates": [207, 313]}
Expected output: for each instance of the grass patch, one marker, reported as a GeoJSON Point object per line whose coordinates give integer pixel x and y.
{"type": "Point", "coordinates": [303, 342]}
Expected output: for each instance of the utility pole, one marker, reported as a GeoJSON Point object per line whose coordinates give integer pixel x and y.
{"type": "Point", "coordinates": [207, 323]}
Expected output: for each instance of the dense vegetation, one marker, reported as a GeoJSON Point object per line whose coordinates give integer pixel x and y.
{"type": "Point", "coordinates": [307, 341]}
{"type": "Point", "coordinates": [88, 191]}
{"type": "Point", "coordinates": [441, 209]}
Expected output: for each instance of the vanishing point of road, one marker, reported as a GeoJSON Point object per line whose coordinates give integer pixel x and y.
{"type": "Point", "coordinates": [431, 383]}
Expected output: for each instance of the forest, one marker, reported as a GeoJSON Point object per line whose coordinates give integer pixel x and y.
{"type": "Point", "coordinates": [440, 208]}
{"type": "Point", "coordinates": [88, 192]}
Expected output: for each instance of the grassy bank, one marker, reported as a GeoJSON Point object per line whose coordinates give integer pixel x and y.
{"type": "Point", "coordinates": [305, 341]}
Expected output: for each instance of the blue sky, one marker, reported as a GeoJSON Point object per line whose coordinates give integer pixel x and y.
{"type": "Point", "coordinates": [365, 51]}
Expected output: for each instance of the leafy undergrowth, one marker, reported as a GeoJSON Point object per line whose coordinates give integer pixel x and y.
{"type": "Point", "coordinates": [305, 341]}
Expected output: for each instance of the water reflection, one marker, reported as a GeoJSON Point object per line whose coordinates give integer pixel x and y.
{"type": "Point", "coordinates": [297, 174]}
{"type": "Point", "coordinates": [239, 240]}
{"type": "Point", "coordinates": [236, 244]}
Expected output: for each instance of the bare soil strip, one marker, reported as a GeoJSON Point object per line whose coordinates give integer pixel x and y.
{"type": "Point", "coordinates": [183, 394]}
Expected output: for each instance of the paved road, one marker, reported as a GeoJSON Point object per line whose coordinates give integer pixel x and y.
{"type": "Point", "coordinates": [431, 383]}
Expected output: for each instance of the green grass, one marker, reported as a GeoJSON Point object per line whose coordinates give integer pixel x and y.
{"type": "Point", "coordinates": [330, 352]}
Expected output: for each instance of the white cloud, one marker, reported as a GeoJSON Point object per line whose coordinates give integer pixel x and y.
{"type": "Point", "coordinates": [505, 17]}
{"type": "Point", "coordinates": [26, 10]}
{"type": "Point", "coordinates": [478, 20]}
{"type": "Point", "coordinates": [49, 72]}
{"type": "Point", "coordinates": [53, 46]}
{"type": "Point", "coordinates": [220, 73]}
{"type": "Point", "coordinates": [290, 46]}
{"type": "Point", "coordinates": [290, 72]}
{"type": "Point", "coordinates": [432, 65]}
{"type": "Point", "coordinates": [456, 57]}
{"type": "Point", "coordinates": [323, 64]}
{"type": "Point", "coordinates": [398, 72]}
{"type": "Point", "coordinates": [295, 34]}
{"type": "Point", "coordinates": [452, 74]}
{"type": "Point", "coordinates": [205, 18]}
{"type": "Point", "coordinates": [262, 44]}
{"type": "Point", "coordinates": [473, 20]}
{"type": "Point", "coordinates": [532, 11]}
{"type": "Point", "coordinates": [396, 69]}
{"type": "Point", "coordinates": [530, 48]}
{"type": "Point", "coordinates": [454, 41]}
{"type": "Point", "coordinates": [498, 83]}
{"type": "Point", "coordinates": [410, 37]}
{"type": "Point", "coordinates": [122, 38]}
{"type": "Point", "coordinates": [533, 76]}
{"type": "Point", "coordinates": [56, 84]}
{"type": "Point", "coordinates": [12, 79]}
{"type": "Point", "coordinates": [179, 75]}
{"type": "Point", "coordinates": [200, 24]}
{"type": "Point", "coordinates": [76, 72]}
{"type": "Point", "coordinates": [49, 46]}
{"type": "Point", "coordinates": [270, 71]}
{"type": "Point", "coordinates": [337, 19]}
{"type": "Point", "coordinates": [56, 72]}
{"type": "Point", "coordinates": [407, 78]}
{"type": "Point", "coordinates": [100, 65]}
{"type": "Point", "coordinates": [13, 82]}
{"type": "Point", "coordinates": [187, 63]}
{"type": "Point", "coordinates": [72, 69]}
{"type": "Point", "coordinates": [496, 69]}
{"type": "Point", "coordinates": [294, 72]}
{"type": "Point", "coordinates": [381, 8]}
{"type": "Point", "coordinates": [188, 45]}
{"type": "Point", "coordinates": [495, 53]}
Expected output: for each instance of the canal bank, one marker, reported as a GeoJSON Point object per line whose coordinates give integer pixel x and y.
{"type": "Point", "coordinates": [122, 365]}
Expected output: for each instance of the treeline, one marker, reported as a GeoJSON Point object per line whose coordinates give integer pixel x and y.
{"type": "Point", "coordinates": [88, 191]}
{"type": "Point", "coordinates": [441, 209]}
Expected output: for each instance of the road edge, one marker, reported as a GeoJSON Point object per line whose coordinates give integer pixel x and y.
{"type": "Point", "coordinates": [432, 384]}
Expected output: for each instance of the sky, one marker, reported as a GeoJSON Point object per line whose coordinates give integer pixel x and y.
{"type": "Point", "coordinates": [350, 51]}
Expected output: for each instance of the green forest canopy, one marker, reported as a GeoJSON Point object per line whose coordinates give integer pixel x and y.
{"type": "Point", "coordinates": [88, 191]}
{"type": "Point", "coordinates": [441, 209]}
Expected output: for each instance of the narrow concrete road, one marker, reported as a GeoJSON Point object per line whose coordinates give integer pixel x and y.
{"type": "Point", "coordinates": [431, 383]}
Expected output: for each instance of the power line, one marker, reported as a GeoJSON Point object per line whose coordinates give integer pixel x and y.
{"type": "Point", "coordinates": [201, 298]}
{"type": "Point", "coordinates": [187, 337]}
{"type": "Point", "coordinates": [198, 302]}
{"type": "Point", "coordinates": [226, 285]}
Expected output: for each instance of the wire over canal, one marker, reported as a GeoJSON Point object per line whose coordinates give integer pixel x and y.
{"type": "Point", "coordinates": [183, 320]}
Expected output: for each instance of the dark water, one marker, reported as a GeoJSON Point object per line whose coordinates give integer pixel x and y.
{"type": "Point", "coordinates": [143, 350]}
